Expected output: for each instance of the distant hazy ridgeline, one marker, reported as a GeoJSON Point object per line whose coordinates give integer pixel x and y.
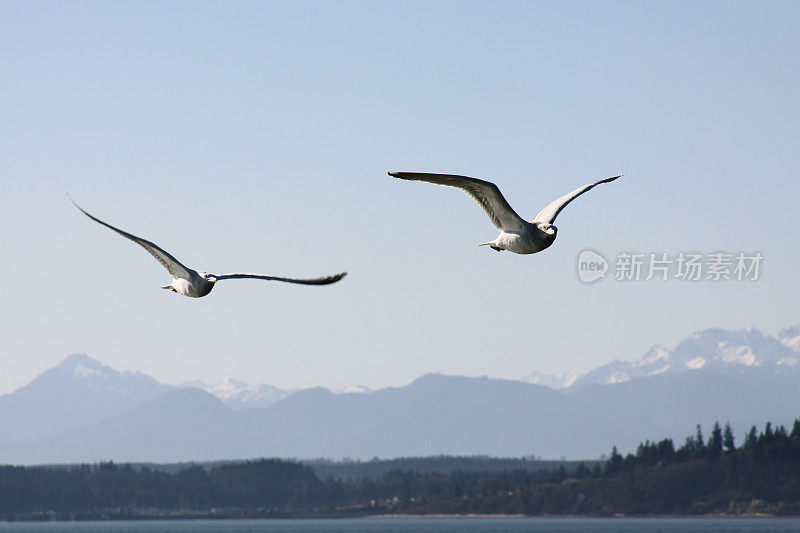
{"type": "Point", "coordinates": [82, 410]}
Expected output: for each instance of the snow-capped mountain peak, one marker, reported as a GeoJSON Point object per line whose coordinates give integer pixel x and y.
{"type": "Point", "coordinates": [657, 355]}
{"type": "Point", "coordinates": [240, 394]}
{"type": "Point", "coordinates": [78, 391]}
{"type": "Point", "coordinates": [81, 365]}
{"type": "Point", "coordinates": [562, 380]}
{"type": "Point", "coordinates": [98, 377]}
{"type": "Point", "coordinates": [352, 389]}
{"type": "Point", "coordinates": [720, 350]}
{"type": "Point", "coordinates": [231, 388]}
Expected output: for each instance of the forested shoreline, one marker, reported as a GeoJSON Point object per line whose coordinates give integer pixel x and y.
{"type": "Point", "coordinates": [700, 477]}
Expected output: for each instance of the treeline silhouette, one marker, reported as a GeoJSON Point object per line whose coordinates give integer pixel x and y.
{"type": "Point", "coordinates": [700, 476]}
{"type": "Point", "coordinates": [354, 470]}
{"type": "Point", "coordinates": [108, 490]}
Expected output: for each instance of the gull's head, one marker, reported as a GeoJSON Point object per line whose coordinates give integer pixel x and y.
{"type": "Point", "coordinates": [211, 278]}
{"type": "Point", "coordinates": [549, 229]}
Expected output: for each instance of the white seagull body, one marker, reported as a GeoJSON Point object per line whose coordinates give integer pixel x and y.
{"type": "Point", "coordinates": [516, 235]}
{"type": "Point", "coordinates": [195, 283]}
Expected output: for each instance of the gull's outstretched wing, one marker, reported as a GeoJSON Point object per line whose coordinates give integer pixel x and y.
{"type": "Point", "coordinates": [484, 192]}
{"type": "Point", "coordinates": [549, 213]}
{"type": "Point", "coordinates": [324, 280]}
{"type": "Point", "coordinates": [175, 268]}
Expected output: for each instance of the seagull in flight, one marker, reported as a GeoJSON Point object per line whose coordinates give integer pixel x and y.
{"type": "Point", "coordinates": [516, 235]}
{"type": "Point", "coordinates": [194, 283]}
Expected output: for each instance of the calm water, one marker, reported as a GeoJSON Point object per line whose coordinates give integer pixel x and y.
{"type": "Point", "coordinates": [430, 525]}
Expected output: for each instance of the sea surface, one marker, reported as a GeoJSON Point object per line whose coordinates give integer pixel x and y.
{"type": "Point", "coordinates": [425, 525]}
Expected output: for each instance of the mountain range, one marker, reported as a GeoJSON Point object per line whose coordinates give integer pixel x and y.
{"type": "Point", "coordinates": [83, 410]}
{"type": "Point", "coordinates": [735, 353]}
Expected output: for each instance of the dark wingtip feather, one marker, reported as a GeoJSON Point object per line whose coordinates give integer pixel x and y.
{"type": "Point", "coordinates": [76, 204]}
{"type": "Point", "coordinates": [337, 277]}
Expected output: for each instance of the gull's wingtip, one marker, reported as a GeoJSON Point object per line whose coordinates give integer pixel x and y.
{"type": "Point", "coordinates": [76, 204]}
{"type": "Point", "coordinates": [334, 278]}
{"type": "Point", "coordinates": [412, 176]}
{"type": "Point", "coordinates": [607, 180]}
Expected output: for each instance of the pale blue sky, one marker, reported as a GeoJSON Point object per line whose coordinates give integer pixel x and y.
{"type": "Point", "coordinates": [256, 136]}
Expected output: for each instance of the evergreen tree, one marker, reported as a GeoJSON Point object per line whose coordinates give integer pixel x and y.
{"type": "Point", "coordinates": [727, 439]}
{"type": "Point", "coordinates": [766, 437]}
{"type": "Point", "coordinates": [795, 429]}
{"type": "Point", "coordinates": [715, 441]}
{"type": "Point", "coordinates": [698, 442]}
{"type": "Point", "coordinates": [614, 463]}
{"type": "Point", "coordinates": [666, 451]}
{"type": "Point", "coordinates": [751, 439]}
{"type": "Point", "coordinates": [687, 451]}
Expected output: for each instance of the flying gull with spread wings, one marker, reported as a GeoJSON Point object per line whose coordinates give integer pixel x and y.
{"type": "Point", "coordinates": [516, 235]}
{"type": "Point", "coordinates": [194, 283]}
